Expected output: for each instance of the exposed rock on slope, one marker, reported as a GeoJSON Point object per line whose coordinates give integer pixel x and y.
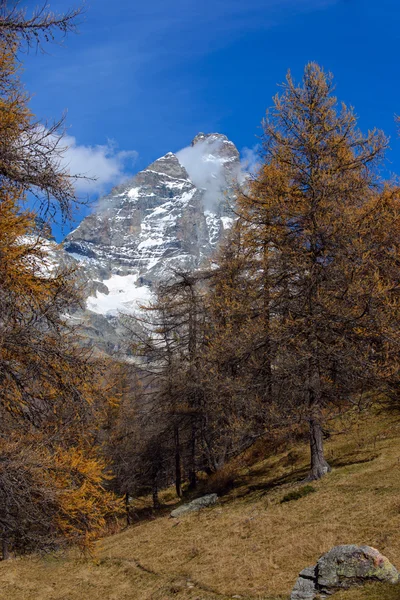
{"type": "Point", "coordinates": [195, 505]}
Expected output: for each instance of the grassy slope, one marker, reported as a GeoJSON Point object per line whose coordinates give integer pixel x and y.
{"type": "Point", "coordinates": [249, 545]}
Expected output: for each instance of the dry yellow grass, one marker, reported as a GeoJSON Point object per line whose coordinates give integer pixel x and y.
{"type": "Point", "coordinates": [371, 592]}
{"type": "Point", "coordinates": [249, 544]}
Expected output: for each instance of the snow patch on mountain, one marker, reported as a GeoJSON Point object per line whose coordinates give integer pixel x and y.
{"type": "Point", "coordinates": [227, 222]}
{"type": "Point", "coordinates": [133, 193]}
{"type": "Point", "coordinates": [124, 296]}
{"type": "Point", "coordinates": [214, 226]}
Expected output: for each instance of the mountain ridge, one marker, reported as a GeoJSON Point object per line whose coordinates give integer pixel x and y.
{"type": "Point", "coordinates": [171, 215]}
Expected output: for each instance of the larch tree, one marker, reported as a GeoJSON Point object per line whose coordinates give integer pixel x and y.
{"type": "Point", "coordinates": [231, 367]}
{"type": "Point", "coordinates": [168, 336]}
{"type": "Point", "coordinates": [187, 418]}
{"type": "Point", "coordinates": [306, 217]}
{"type": "Point", "coordinates": [52, 391]}
{"type": "Point", "coordinates": [36, 28]}
{"type": "Point", "coordinates": [31, 152]}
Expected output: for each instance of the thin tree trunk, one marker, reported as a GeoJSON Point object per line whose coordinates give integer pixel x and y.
{"type": "Point", "coordinates": [192, 463]}
{"type": "Point", "coordinates": [128, 514]}
{"type": "Point", "coordinates": [319, 466]}
{"type": "Point", "coordinates": [4, 549]}
{"type": "Point", "coordinates": [156, 500]}
{"type": "Point", "coordinates": [267, 362]}
{"type": "Point", "coordinates": [192, 349]}
{"type": "Point", "coordinates": [178, 470]}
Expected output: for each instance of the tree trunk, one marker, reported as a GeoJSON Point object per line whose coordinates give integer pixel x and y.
{"type": "Point", "coordinates": [178, 471]}
{"type": "Point", "coordinates": [128, 514]}
{"type": "Point", "coordinates": [192, 349]}
{"type": "Point", "coordinates": [156, 501]}
{"type": "Point", "coordinates": [267, 362]}
{"type": "Point", "coordinates": [192, 463]}
{"type": "Point", "coordinates": [4, 548]}
{"type": "Point", "coordinates": [319, 466]}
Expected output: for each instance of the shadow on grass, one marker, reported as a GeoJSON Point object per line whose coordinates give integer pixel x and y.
{"type": "Point", "coordinates": [243, 486]}
{"type": "Point", "coordinates": [147, 513]}
{"type": "Point", "coordinates": [349, 460]}
{"type": "Point", "coordinates": [295, 477]}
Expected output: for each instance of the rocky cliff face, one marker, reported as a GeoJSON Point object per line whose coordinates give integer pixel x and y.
{"type": "Point", "coordinates": [172, 215]}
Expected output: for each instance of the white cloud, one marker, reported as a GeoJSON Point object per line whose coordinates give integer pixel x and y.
{"type": "Point", "coordinates": [250, 160]}
{"type": "Point", "coordinates": [206, 167]}
{"type": "Point", "coordinates": [103, 165]}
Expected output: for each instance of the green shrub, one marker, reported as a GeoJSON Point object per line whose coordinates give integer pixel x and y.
{"type": "Point", "coordinates": [297, 494]}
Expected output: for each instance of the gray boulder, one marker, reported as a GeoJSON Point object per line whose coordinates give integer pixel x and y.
{"type": "Point", "coordinates": [195, 505]}
{"type": "Point", "coordinates": [341, 568]}
{"type": "Point", "coordinates": [304, 588]}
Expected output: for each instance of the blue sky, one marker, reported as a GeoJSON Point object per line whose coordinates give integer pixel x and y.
{"type": "Point", "coordinates": [142, 78]}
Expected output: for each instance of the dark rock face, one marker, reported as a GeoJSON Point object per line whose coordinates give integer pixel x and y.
{"type": "Point", "coordinates": [341, 568]}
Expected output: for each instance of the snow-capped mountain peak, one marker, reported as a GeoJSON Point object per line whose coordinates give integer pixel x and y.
{"type": "Point", "coordinates": [170, 215]}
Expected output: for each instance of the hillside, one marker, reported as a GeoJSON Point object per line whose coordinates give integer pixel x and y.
{"type": "Point", "coordinates": [250, 545]}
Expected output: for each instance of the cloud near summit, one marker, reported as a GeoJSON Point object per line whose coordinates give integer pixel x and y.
{"type": "Point", "coordinates": [98, 167]}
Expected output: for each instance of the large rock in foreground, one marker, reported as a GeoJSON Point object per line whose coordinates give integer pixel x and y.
{"type": "Point", "coordinates": [341, 568]}
{"type": "Point", "coordinates": [195, 505]}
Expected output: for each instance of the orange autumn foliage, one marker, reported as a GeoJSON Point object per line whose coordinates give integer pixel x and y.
{"type": "Point", "coordinates": [53, 394]}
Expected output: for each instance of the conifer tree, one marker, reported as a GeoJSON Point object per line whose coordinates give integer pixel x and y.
{"type": "Point", "coordinates": [31, 152]}
{"type": "Point", "coordinates": [306, 219]}
{"type": "Point", "coordinates": [52, 392]}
